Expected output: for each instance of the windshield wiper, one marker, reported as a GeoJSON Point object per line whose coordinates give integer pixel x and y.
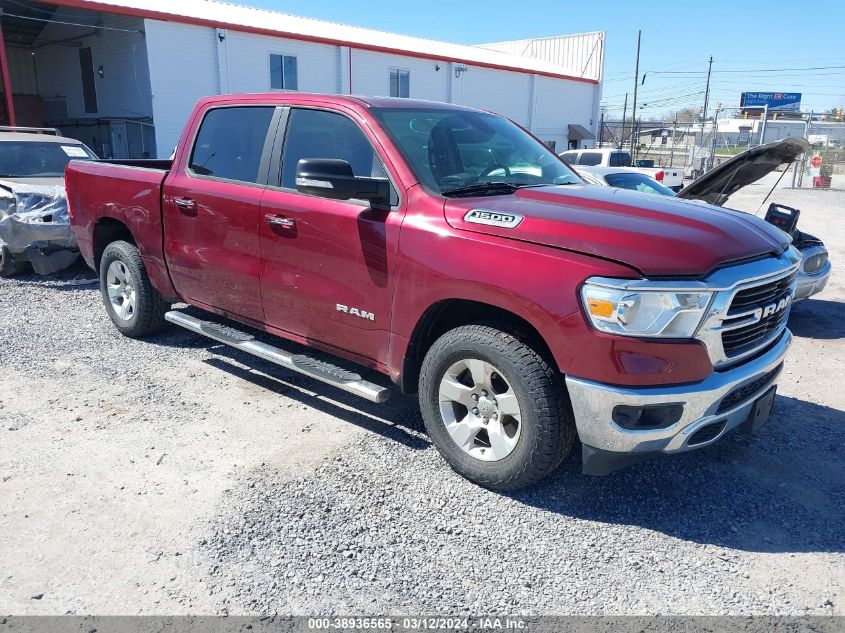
{"type": "Point", "coordinates": [483, 188]}
{"type": "Point", "coordinates": [499, 188]}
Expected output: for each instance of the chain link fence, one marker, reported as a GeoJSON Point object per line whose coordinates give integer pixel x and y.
{"type": "Point", "coordinates": [697, 146]}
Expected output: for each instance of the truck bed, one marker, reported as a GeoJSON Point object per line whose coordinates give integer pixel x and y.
{"type": "Point", "coordinates": [105, 195]}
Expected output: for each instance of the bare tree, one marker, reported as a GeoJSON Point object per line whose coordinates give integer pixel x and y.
{"type": "Point", "coordinates": [685, 115]}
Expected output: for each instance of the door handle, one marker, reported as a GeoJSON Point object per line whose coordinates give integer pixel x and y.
{"type": "Point", "coordinates": [185, 204]}
{"type": "Point", "coordinates": [278, 220]}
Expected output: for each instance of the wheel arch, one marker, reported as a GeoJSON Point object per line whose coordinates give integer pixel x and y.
{"type": "Point", "coordinates": [447, 314]}
{"type": "Point", "coordinates": [106, 231]}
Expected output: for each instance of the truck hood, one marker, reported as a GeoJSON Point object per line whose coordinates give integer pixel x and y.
{"type": "Point", "coordinates": [656, 235]}
{"type": "Point", "coordinates": [717, 185]}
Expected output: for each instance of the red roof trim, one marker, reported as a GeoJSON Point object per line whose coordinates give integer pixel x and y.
{"type": "Point", "coordinates": [169, 17]}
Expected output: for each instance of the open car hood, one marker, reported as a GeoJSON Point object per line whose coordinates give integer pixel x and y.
{"type": "Point", "coordinates": [717, 185]}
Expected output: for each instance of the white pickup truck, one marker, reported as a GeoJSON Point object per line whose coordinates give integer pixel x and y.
{"type": "Point", "coordinates": [671, 177]}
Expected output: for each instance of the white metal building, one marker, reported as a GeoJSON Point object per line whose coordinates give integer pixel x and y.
{"type": "Point", "coordinates": [123, 75]}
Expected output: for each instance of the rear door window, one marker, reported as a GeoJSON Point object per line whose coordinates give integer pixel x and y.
{"type": "Point", "coordinates": [590, 158]}
{"type": "Point", "coordinates": [570, 157]}
{"type": "Point", "coordinates": [230, 143]}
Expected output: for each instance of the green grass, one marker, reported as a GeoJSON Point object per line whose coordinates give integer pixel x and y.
{"type": "Point", "coordinates": [729, 151]}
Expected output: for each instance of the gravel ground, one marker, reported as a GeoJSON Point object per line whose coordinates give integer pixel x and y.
{"type": "Point", "coordinates": [174, 476]}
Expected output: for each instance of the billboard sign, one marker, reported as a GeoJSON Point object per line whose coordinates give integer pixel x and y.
{"type": "Point", "coordinates": [777, 101]}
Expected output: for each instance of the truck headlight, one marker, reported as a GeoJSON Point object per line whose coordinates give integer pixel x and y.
{"type": "Point", "coordinates": [640, 311]}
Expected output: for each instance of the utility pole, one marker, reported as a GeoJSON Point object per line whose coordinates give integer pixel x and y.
{"type": "Point", "coordinates": [763, 124]}
{"type": "Point", "coordinates": [624, 117]}
{"type": "Point", "coordinates": [706, 98]}
{"type": "Point", "coordinates": [636, 82]}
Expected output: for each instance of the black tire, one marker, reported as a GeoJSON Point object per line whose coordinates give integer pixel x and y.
{"type": "Point", "coordinates": [8, 266]}
{"type": "Point", "coordinates": [147, 317]}
{"type": "Point", "coordinates": [547, 427]}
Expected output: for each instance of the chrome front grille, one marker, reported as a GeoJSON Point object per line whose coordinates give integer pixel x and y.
{"type": "Point", "coordinates": [754, 302]}
{"type": "Point", "coordinates": [763, 294]}
{"type": "Point", "coordinates": [749, 309]}
{"type": "Point", "coordinates": [735, 342]}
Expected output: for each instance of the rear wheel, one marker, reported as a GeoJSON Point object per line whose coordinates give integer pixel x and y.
{"type": "Point", "coordinates": [132, 303]}
{"type": "Point", "coordinates": [494, 408]}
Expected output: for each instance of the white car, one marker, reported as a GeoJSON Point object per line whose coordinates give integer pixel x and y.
{"type": "Point", "coordinates": [622, 178]}
{"type": "Point", "coordinates": [672, 177]}
{"type": "Point", "coordinates": [34, 221]}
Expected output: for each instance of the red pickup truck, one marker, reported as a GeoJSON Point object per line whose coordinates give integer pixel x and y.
{"type": "Point", "coordinates": [450, 250]}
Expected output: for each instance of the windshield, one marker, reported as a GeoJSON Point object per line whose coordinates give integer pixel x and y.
{"type": "Point", "coordinates": [34, 159]}
{"type": "Point", "coordinates": [638, 182]}
{"type": "Point", "coordinates": [450, 150]}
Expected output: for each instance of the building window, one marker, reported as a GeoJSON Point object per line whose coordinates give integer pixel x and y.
{"type": "Point", "coordinates": [400, 83]}
{"type": "Point", "coordinates": [283, 72]}
{"type": "Point", "coordinates": [89, 88]}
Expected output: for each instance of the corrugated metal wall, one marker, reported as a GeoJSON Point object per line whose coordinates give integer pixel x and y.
{"type": "Point", "coordinates": [581, 54]}
{"type": "Point", "coordinates": [211, 62]}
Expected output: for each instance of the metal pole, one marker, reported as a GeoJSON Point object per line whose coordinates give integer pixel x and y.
{"type": "Point", "coordinates": [601, 129]}
{"type": "Point", "coordinates": [7, 81]}
{"type": "Point", "coordinates": [713, 144]}
{"type": "Point", "coordinates": [795, 172]}
{"type": "Point", "coordinates": [763, 125]}
{"type": "Point", "coordinates": [807, 124]}
{"type": "Point", "coordinates": [635, 148]}
{"type": "Point", "coordinates": [672, 148]}
{"type": "Point", "coordinates": [624, 117]}
{"type": "Point", "coordinates": [636, 82]}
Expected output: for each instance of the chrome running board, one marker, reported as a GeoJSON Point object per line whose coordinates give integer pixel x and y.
{"type": "Point", "coordinates": [313, 368]}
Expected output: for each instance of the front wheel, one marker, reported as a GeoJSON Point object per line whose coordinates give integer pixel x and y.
{"type": "Point", "coordinates": [495, 408]}
{"type": "Point", "coordinates": [133, 305]}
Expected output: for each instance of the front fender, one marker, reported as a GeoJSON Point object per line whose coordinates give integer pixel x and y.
{"type": "Point", "coordinates": [536, 283]}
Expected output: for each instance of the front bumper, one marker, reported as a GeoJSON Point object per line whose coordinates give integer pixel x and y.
{"type": "Point", "coordinates": [608, 446]}
{"type": "Point", "coordinates": [808, 285]}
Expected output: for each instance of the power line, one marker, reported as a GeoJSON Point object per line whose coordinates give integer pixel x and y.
{"type": "Point", "coordinates": [745, 70]}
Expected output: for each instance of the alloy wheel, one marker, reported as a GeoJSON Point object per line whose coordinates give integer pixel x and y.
{"type": "Point", "coordinates": [480, 409]}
